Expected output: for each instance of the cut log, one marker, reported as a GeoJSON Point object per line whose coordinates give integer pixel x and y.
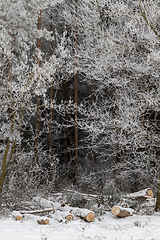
{"type": "Point", "coordinates": [89, 217]}
{"type": "Point", "coordinates": [63, 205]}
{"type": "Point", "coordinates": [19, 218]}
{"type": "Point", "coordinates": [122, 212]}
{"type": "Point", "coordinates": [17, 215]}
{"type": "Point", "coordinates": [149, 194]}
{"type": "Point", "coordinates": [61, 216]}
{"type": "Point", "coordinates": [38, 211]}
{"type": "Point", "coordinates": [85, 214]}
{"type": "Point", "coordinates": [44, 222]}
{"type": "Point", "coordinates": [69, 217]}
{"type": "Point", "coordinates": [143, 194]}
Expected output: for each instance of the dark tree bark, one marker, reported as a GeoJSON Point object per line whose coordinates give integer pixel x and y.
{"type": "Point", "coordinates": [76, 103]}
{"type": "Point", "coordinates": [37, 114]}
{"type": "Point", "coordinates": [51, 111]}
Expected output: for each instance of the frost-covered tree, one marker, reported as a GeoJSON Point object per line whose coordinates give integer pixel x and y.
{"type": "Point", "coordinates": [118, 54]}
{"type": "Point", "coordinates": [113, 49]}
{"type": "Point", "coordinates": [19, 86]}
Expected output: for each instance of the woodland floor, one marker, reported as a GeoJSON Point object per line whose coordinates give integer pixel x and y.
{"type": "Point", "coordinates": [105, 226]}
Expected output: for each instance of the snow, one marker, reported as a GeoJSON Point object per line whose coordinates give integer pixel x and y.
{"type": "Point", "coordinates": [105, 226]}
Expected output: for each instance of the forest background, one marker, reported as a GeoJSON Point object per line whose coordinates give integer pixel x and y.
{"type": "Point", "coordinates": [79, 97]}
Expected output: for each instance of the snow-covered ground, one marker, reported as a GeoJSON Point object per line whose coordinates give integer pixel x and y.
{"type": "Point", "coordinates": [107, 227]}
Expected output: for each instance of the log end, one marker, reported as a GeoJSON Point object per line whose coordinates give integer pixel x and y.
{"type": "Point", "coordinates": [69, 217]}
{"type": "Point", "coordinates": [149, 194]}
{"type": "Point", "coordinates": [90, 217]}
{"type": "Point", "coordinates": [115, 210]}
{"type": "Point", "coordinates": [46, 221]}
{"type": "Point", "coordinates": [43, 222]}
{"type": "Point", "coordinates": [63, 205]}
{"type": "Point", "coordinates": [19, 218]}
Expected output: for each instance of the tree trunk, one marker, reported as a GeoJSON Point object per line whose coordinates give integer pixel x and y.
{"type": "Point", "coordinates": [94, 152]}
{"type": "Point", "coordinates": [36, 140]}
{"type": "Point", "coordinates": [51, 112]}
{"type": "Point", "coordinates": [4, 166]}
{"type": "Point", "coordinates": [157, 208]}
{"type": "Point", "coordinates": [4, 163]}
{"type": "Point", "coordinates": [12, 116]}
{"type": "Point", "coordinates": [65, 128]}
{"type": "Point", "coordinates": [76, 103]}
{"type": "Point", "coordinates": [37, 114]}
